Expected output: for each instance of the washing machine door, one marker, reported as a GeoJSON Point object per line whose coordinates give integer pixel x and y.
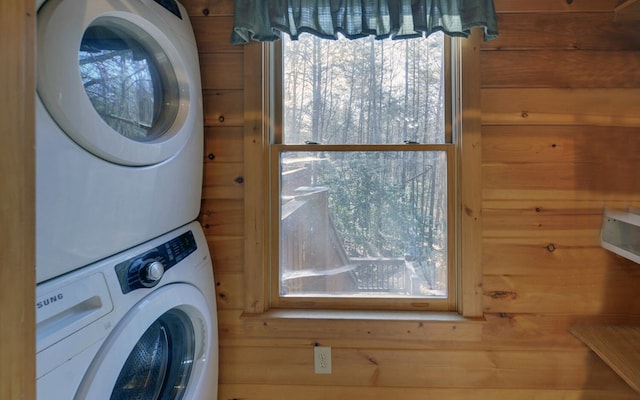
{"type": "Point", "coordinates": [113, 76]}
{"type": "Point", "coordinates": [162, 349]}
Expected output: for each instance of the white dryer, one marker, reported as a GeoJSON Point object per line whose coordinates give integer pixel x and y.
{"type": "Point", "coordinates": [119, 128]}
{"type": "Point", "coordinates": [139, 325]}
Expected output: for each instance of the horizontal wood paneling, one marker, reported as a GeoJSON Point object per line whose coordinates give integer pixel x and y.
{"type": "Point", "coordinates": [215, 71]}
{"type": "Point", "coordinates": [528, 255]}
{"type": "Point", "coordinates": [538, 331]}
{"type": "Point", "coordinates": [322, 391]}
{"type": "Point", "coordinates": [222, 192]}
{"type": "Point", "coordinates": [588, 176]}
{"type": "Point", "coordinates": [500, 331]}
{"type": "Point", "coordinates": [223, 144]}
{"type": "Point", "coordinates": [223, 108]}
{"type": "Point", "coordinates": [222, 217]}
{"type": "Point", "coordinates": [228, 256]}
{"type": "Point", "coordinates": [552, 6]}
{"type": "Point", "coordinates": [556, 69]}
{"type": "Point", "coordinates": [599, 107]}
{"type": "Point", "coordinates": [560, 89]}
{"type": "Point", "coordinates": [213, 34]}
{"type": "Point", "coordinates": [567, 159]}
{"type": "Point", "coordinates": [550, 222]}
{"type": "Point", "coordinates": [226, 181]}
{"type": "Point", "coordinates": [427, 333]}
{"type": "Point", "coordinates": [229, 290]}
{"type": "Point", "coordinates": [521, 199]}
{"type": "Point", "coordinates": [587, 292]}
{"type": "Point", "coordinates": [564, 31]}
{"type": "Point", "coordinates": [197, 8]}
{"type": "Point", "coordinates": [408, 368]}
{"type": "Point", "coordinates": [547, 144]}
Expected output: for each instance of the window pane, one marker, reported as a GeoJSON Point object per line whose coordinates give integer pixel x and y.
{"type": "Point", "coordinates": [363, 91]}
{"type": "Point", "coordinates": [363, 223]}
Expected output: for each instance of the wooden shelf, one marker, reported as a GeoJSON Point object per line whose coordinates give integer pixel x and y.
{"type": "Point", "coordinates": [626, 5]}
{"type": "Point", "coordinates": [628, 11]}
{"type": "Point", "coordinates": [618, 346]}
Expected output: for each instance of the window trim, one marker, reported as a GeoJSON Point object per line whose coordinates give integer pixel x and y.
{"type": "Point", "coordinates": [257, 117]}
{"type": "Point", "coordinates": [275, 140]}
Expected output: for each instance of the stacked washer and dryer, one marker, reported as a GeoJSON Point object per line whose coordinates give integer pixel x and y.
{"type": "Point", "coordinates": [125, 303]}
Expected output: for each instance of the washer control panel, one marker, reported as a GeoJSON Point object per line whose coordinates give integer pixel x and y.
{"type": "Point", "coordinates": [146, 269]}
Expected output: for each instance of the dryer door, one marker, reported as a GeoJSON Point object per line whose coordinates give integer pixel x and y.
{"type": "Point", "coordinates": [119, 77]}
{"type": "Point", "coordinates": [162, 349]}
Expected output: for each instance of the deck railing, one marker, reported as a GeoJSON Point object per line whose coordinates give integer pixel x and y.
{"type": "Point", "coordinates": [313, 259]}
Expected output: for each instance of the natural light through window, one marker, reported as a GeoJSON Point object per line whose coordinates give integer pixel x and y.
{"type": "Point", "coordinates": [363, 171]}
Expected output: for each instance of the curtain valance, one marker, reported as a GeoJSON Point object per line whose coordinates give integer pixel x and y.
{"type": "Point", "coordinates": [265, 20]}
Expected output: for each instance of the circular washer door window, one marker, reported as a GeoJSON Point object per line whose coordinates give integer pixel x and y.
{"type": "Point", "coordinates": [117, 80]}
{"type": "Point", "coordinates": [159, 365]}
{"type": "Point", "coordinates": [161, 349]}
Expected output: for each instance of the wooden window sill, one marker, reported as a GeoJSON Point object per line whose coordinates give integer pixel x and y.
{"type": "Point", "coordinates": [418, 316]}
{"type": "Point", "coordinates": [373, 325]}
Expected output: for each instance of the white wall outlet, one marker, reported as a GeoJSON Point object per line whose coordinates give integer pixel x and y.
{"type": "Point", "coordinates": [322, 359]}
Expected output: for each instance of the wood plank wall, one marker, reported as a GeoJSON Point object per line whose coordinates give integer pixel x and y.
{"type": "Point", "coordinates": [560, 137]}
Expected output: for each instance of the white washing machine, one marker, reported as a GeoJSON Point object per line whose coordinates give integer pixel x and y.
{"type": "Point", "coordinates": [139, 325]}
{"type": "Point", "coordinates": [119, 128]}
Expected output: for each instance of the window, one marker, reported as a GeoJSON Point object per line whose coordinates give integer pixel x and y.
{"type": "Point", "coordinates": [365, 186]}
{"type": "Point", "coordinates": [362, 167]}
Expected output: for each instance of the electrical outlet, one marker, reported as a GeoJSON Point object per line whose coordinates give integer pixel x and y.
{"type": "Point", "coordinates": [322, 359]}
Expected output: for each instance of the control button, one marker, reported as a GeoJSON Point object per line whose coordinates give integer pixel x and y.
{"type": "Point", "coordinates": [151, 273]}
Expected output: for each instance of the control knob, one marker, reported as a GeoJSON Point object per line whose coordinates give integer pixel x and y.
{"type": "Point", "coordinates": [151, 272]}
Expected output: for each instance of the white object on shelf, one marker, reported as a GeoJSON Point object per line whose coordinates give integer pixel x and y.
{"type": "Point", "coordinates": [621, 233]}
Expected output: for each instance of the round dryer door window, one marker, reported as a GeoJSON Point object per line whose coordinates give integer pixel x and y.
{"type": "Point", "coordinates": [129, 80]}
{"type": "Point", "coordinates": [120, 78]}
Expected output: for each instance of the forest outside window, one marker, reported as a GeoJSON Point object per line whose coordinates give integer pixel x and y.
{"type": "Point", "coordinates": [362, 174]}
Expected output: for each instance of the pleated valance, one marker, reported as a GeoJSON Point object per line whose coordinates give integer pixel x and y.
{"type": "Point", "coordinates": [266, 20]}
